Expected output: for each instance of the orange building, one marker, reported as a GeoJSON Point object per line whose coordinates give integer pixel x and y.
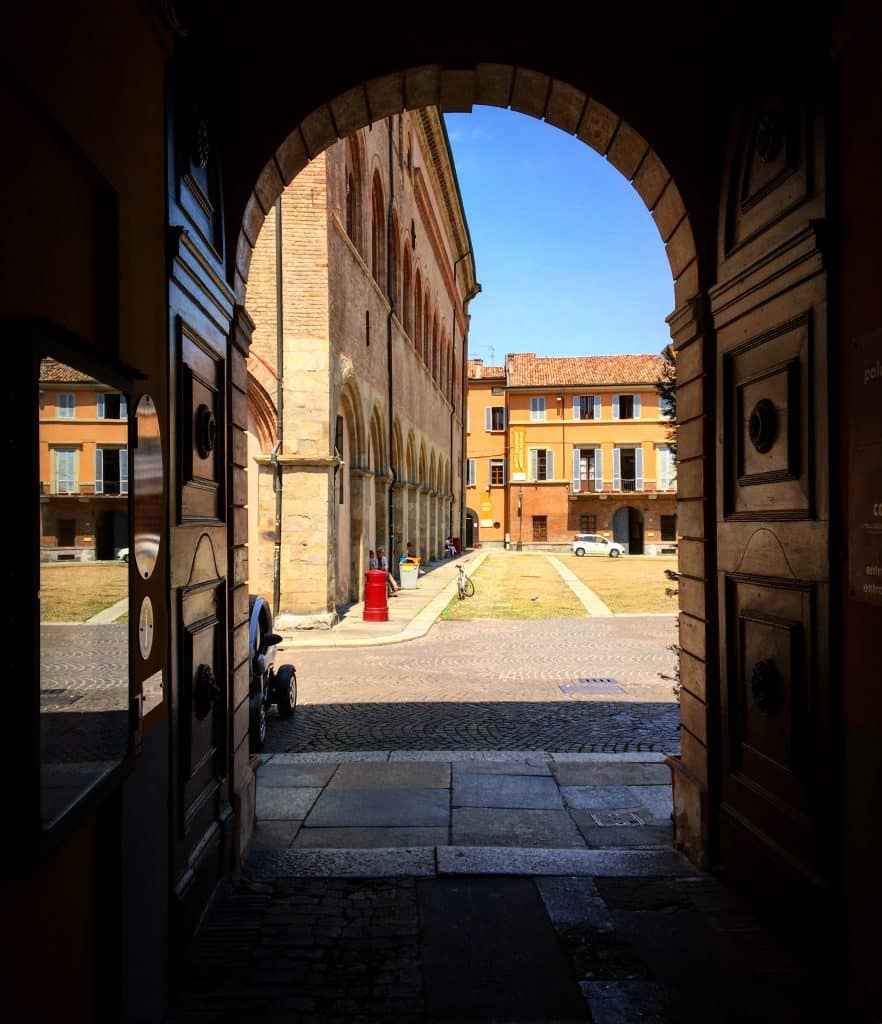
{"type": "Point", "coordinates": [84, 467]}
{"type": "Point", "coordinates": [560, 446]}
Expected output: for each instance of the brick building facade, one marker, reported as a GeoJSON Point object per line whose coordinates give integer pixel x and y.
{"type": "Point", "coordinates": [367, 261]}
{"type": "Point", "coordinates": [559, 446]}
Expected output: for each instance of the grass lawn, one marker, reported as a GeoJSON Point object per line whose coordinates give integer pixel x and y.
{"type": "Point", "coordinates": [75, 591]}
{"type": "Point", "coordinates": [632, 583]}
{"type": "Point", "coordinates": [516, 586]}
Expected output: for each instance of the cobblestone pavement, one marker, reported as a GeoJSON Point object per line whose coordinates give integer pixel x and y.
{"type": "Point", "coordinates": [491, 685]}
{"type": "Point", "coordinates": [662, 950]}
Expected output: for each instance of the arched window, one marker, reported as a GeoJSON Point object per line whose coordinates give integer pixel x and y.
{"type": "Point", "coordinates": [354, 193]}
{"type": "Point", "coordinates": [435, 359]}
{"type": "Point", "coordinates": [378, 232]}
{"type": "Point", "coordinates": [406, 312]}
{"type": "Point", "coordinates": [427, 333]}
{"type": "Point", "coordinates": [418, 313]}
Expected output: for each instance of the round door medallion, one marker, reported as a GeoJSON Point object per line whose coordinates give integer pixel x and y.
{"type": "Point", "coordinates": [145, 628]}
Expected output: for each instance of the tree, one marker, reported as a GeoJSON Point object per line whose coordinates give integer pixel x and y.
{"type": "Point", "coordinates": [666, 386]}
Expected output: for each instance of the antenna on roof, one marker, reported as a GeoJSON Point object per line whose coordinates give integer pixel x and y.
{"type": "Point", "coordinates": [488, 347]}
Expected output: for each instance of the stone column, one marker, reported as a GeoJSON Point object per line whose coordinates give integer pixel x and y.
{"type": "Point", "coordinates": [399, 525]}
{"type": "Point", "coordinates": [413, 519]}
{"type": "Point", "coordinates": [425, 535]}
{"type": "Point", "coordinates": [360, 492]}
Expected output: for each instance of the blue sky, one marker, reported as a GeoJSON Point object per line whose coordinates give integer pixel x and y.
{"type": "Point", "coordinates": [567, 254]}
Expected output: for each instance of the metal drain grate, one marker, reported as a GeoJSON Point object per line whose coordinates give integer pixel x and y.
{"type": "Point", "coordinates": [607, 818]}
{"type": "Point", "coordinates": [591, 685]}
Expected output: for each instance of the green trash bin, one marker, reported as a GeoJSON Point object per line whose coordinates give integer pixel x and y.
{"type": "Point", "coordinates": [409, 573]}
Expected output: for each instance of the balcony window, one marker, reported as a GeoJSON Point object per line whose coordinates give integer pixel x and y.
{"type": "Point", "coordinates": [65, 471]}
{"type": "Point", "coordinates": [586, 407]}
{"type": "Point", "coordinates": [587, 470]}
{"type": "Point", "coordinates": [628, 469]}
{"type": "Point", "coordinates": [666, 472]}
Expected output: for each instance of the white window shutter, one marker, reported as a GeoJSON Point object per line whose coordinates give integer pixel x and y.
{"type": "Point", "coordinates": [504, 418]}
{"type": "Point", "coordinates": [577, 456]}
{"type": "Point", "coordinates": [534, 464]}
{"type": "Point", "coordinates": [597, 407]}
{"type": "Point", "coordinates": [636, 407]}
{"type": "Point", "coordinates": [123, 408]}
{"type": "Point", "coordinates": [598, 468]}
{"type": "Point", "coordinates": [124, 471]}
{"type": "Point", "coordinates": [488, 418]}
{"type": "Point", "coordinates": [99, 470]}
{"type": "Point", "coordinates": [549, 464]}
{"type": "Point", "coordinates": [638, 467]}
{"type": "Point", "coordinates": [617, 469]}
{"type": "Point", "coordinates": [504, 470]}
{"type": "Point", "coordinates": [577, 408]}
{"type": "Point", "coordinates": [615, 414]}
{"type": "Point", "coordinates": [101, 406]}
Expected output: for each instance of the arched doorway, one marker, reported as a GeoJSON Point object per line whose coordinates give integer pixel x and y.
{"type": "Point", "coordinates": [628, 529]}
{"type": "Point", "coordinates": [471, 528]}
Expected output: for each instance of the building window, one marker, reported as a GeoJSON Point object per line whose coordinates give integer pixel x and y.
{"type": "Point", "coordinates": [65, 471]}
{"type": "Point", "coordinates": [494, 418]}
{"type": "Point", "coordinates": [668, 527]}
{"type": "Point", "coordinates": [586, 407]}
{"type": "Point", "coordinates": [378, 232]}
{"type": "Point", "coordinates": [497, 472]}
{"type": "Point", "coordinates": [587, 470]}
{"type": "Point", "coordinates": [64, 405]}
{"type": "Point", "coordinates": [541, 464]}
{"type": "Point", "coordinates": [626, 407]}
{"type": "Point", "coordinates": [112, 406]}
{"type": "Point", "coordinates": [666, 473]}
{"type": "Point", "coordinates": [587, 524]}
{"type": "Point", "coordinates": [537, 408]}
{"type": "Point", "coordinates": [497, 391]}
{"type": "Point", "coordinates": [471, 475]}
{"type": "Point", "coordinates": [628, 469]}
{"type": "Point", "coordinates": [111, 471]}
{"type": "Point", "coordinates": [540, 528]}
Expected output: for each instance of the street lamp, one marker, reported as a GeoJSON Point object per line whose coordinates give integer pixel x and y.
{"type": "Point", "coordinates": [520, 518]}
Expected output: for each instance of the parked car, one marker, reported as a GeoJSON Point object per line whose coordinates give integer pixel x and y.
{"type": "Point", "coordinates": [123, 554]}
{"type": "Point", "coordinates": [267, 686]}
{"type": "Point", "coordinates": [594, 544]}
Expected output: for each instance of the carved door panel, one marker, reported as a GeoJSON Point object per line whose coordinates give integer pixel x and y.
{"type": "Point", "coordinates": [200, 323]}
{"type": "Point", "coordinates": [769, 311]}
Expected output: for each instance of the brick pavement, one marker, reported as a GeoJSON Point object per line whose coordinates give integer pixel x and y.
{"type": "Point", "coordinates": [490, 685]}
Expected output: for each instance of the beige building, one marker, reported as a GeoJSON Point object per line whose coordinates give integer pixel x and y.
{"type": "Point", "coordinates": [561, 446]}
{"type": "Point", "coordinates": [359, 287]}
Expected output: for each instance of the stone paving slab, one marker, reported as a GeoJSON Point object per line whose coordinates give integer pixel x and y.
{"type": "Point", "coordinates": [380, 863]}
{"type": "Point", "coordinates": [369, 838]}
{"type": "Point", "coordinates": [283, 803]}
{"type": "Point", "coordinates": [623, 1002]}
{"type": "Point", "coordinates": [505, 827]}
{"type": "Point", "coordinates": [474, 756]}
{"type": "Point", "coordinates": [416, 775]}
{"type": "Point", "coordinates": [292, 775]}
{"type": "Point", "coordinates": [490, 860]}
{"type": "Point", "coordinates": [574, 902]}
{"type": "Point", "coordinates": [346, 808]}
{"type": "Point", "coordinates": [622, 836]}
{"type": "Point", "coordinates": [591, 798]}
{"type": "Point", "coordinates": [657, 800]}
{"type": "Point", "coordinates": [514, 768]}
{"type": "Point", "coordinates": [495, 790]}
{"type": "Point", "coordinates": [274, 834]}
{"type": "Point", "coordinates": [612, 774]}
{"type": "Point", "coordinates": [609, 757]}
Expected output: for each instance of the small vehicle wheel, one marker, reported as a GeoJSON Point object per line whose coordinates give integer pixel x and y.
{"type": "Point", "coordinates": [284, 688]}
{"type": "Point", "coordinates": [468, 588]}
{"type": "Point", "coordinates": [258, 722]}
{"type": "Point", "coordinates": [614, 553]}
{"type": "Point", "coordinates": [580, 552]}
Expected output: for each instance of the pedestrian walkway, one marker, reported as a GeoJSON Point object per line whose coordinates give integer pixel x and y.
{"type": "Point", "coordinates": [412, 613]}
{"type": "Point", "coordinates": [483, 886]}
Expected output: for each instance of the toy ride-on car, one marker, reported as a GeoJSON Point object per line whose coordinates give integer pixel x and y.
{"type": "Point", "coordinates": [267, 686]}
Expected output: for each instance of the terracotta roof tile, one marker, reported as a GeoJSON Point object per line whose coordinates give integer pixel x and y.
{"type": "Point", "coordinates": [477, 370]}
{"type": "Point", "coordinates": [53, 372]}
{"type": "Point", "coordinates": [526, 369]}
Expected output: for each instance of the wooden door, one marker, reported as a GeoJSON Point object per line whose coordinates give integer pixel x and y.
{"type": "Point", "coordinates": [770, 317]}
{"type": "Point", "coordinates": [200, 318]}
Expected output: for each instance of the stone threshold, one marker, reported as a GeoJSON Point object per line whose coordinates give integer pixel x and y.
{"type": "Point", "coordinates": [505, 756]}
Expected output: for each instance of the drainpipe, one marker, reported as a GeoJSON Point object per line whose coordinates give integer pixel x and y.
{"type": "Point", "coordinates": [465, 304]}
{"type": "Point", "coordinates": [390, 296]}
{"type": "Point", "coordinates": [280, 399]}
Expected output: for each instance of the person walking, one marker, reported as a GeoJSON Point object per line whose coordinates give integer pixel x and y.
{"type": "Point", "coordinates": [382, 563]}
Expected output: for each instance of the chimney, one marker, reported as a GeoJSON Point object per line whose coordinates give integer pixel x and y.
{"type": "Point", "coordinates": [478, 369]}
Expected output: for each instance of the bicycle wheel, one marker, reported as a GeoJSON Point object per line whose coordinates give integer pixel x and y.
{"type": "Point", "coordinates": [460, 589]}
{"type": "Point", "coordinates": [468, 588]}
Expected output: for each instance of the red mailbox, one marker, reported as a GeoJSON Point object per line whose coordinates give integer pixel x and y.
{"type": "Point", "coordinates": [376, 607]}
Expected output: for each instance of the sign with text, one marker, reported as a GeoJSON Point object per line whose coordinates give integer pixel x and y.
{"type": "Point", "coordinates": [865, 472]}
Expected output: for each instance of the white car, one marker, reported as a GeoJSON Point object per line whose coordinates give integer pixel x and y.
{"type": "Point", "coordinates": [594, 544]}
{"type": "Point", "coordinates": [123, 554]}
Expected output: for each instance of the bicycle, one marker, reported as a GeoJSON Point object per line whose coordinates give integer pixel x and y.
{"type": "Point", "coordinates": [464, 585]}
